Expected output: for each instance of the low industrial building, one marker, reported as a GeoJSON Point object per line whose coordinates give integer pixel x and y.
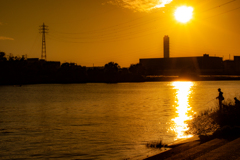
{"type": "Point", "coordinates": [183, 65]}
{"type": "Point", "coordinates": [199, 65]}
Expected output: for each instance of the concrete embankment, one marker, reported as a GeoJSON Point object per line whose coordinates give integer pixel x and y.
{"type": "Point", "coordinates": [215, 149]}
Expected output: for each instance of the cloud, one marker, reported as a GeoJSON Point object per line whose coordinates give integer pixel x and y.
{"type": "Point", "coordinates": [6, 38]}
{"type": "Point", "coordinates": [140, 5]}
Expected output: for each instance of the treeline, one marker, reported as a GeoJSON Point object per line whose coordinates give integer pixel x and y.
{"type": "Point", "coordinates": [16, 70]}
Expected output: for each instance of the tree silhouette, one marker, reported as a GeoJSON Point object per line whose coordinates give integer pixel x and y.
{"type": "Point", "coordinates": [111, 72]}
{"type": "Point", "coordinates": [111, 68]}
{"type": "Point", "coordinates": [2, 56]}
{"type": "Point", "coordinates": [137, 69]}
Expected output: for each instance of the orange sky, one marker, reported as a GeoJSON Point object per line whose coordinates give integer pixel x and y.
{"type": "Point", "coordinates": [96, 32]}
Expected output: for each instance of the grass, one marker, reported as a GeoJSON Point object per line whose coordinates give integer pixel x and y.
{"type": "Point", "coordinates": [156, 144]}
{"type": "Point", "coordinates": [214, 123]}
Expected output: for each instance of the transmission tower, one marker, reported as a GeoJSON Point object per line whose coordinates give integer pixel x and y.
{"type": "Point", "coordinates": [43, 29]}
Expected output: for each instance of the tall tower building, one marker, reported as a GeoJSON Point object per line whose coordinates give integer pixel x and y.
{"type": "Point", "coordinates": [166, 47]}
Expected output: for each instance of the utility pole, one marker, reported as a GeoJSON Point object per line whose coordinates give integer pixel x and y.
{"type": "Point", "coordinates": [43, 29]}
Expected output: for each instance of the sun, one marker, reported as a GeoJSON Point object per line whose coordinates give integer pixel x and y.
{"type": "Point", "coordinates": [183, 14]}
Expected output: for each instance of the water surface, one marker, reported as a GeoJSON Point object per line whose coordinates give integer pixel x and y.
{"type": "Point", "coordinates": [100, 121]}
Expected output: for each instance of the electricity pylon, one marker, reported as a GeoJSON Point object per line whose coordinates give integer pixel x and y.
{"type": "Point", "coordinates": [43, 29]}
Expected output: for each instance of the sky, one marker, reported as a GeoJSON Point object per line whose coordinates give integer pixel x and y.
{"type": "Point", "coordinates": [95, 32]}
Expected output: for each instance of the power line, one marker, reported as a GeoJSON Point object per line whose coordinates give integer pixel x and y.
{"type": "Point", "coordinates": [119, 32]}
{"type": "Point", "coordinates": [225, 12]}
{"type": "Point", "coordinates": [34, 42]}
{"type": "Point", "coordinates": [135, 25]}
{"type": "Point", "coordinates": [220, 5]}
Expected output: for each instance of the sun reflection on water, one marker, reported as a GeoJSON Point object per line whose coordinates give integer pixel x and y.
{"type": "Point", "coordinates": [183, 91]}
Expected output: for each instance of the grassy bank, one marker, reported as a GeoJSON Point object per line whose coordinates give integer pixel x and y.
{"type": "Point", "coordinates": [212, 123]}
{"type": "Point", "coordinates": [215, 123]}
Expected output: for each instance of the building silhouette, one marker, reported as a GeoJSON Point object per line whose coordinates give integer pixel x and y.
{"type": "Point", "coordinates": [166, 47]}
{"type": "Point", "coordinates": [183, 65]}
{"type": "Point", "coordinates": [232, 66]}
{"type": "Point", "coordinates": [203, 65]}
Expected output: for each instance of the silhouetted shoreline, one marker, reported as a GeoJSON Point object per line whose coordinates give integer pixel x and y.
{"type": "Point", "coordinates": [22, 70]}
{"type": "Point", "coordinates": [214, 128]}
{"type": "Point", "coordinates": [129, 79]}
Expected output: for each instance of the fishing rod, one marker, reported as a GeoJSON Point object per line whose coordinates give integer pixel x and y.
{"type": "Point", "coordinates": [210, 101]}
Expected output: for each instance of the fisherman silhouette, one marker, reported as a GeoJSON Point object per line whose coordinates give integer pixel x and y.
{"type": "Point", "coordinates": [237, 102]}
{"type": "Point", "coordinates": [220, 98]}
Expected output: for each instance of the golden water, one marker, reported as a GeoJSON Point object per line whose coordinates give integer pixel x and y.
{"type": "Point", "coordinates": [100, 121]}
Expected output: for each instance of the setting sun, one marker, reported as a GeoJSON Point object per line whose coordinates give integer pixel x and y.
{"type": "Point", "coordinates": [183, 14]}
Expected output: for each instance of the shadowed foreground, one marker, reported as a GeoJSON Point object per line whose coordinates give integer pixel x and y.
{"type": "Point", "coordinates": [218, 137]}
{"type": "Point", "coordinates": [217, 148]}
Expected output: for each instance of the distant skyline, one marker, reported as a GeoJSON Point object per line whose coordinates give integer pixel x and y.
{"type": "Point", "coordinates": [96, 32]}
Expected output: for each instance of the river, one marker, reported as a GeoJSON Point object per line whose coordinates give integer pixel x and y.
{"type": "Point", "coordinates": [98, 120]}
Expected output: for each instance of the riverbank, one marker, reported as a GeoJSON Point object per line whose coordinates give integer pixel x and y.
{"type": "Point", "coordinates": [176, 148]}
{"type": "Point", "coordinates": [213, 149]}
{"type": "Point", "coordinates": [218, 134]}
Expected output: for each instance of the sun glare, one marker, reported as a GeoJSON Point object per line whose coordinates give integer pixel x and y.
{"type": "Point", "coordinates": [183, 91]}
{"type": "Point", "coordinates": [183, 14]}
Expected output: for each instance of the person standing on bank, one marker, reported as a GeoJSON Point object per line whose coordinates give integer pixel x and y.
{"type": "Point", "coordinates": [220, 98]}
{"type": "Point", "coordinates": [237, 102]}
